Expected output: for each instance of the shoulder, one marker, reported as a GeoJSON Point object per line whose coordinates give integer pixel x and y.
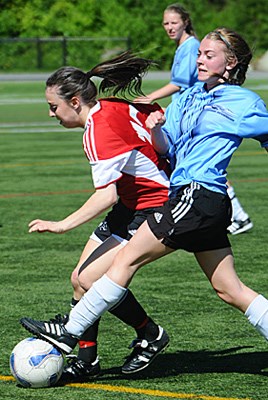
{"type": "Point", "coordinates": [193, 41]}
{"type": "Point", "coordinates": [190, 44]}
{"type": "Point", "coordinates": [238, 93]}
{"type": "Point", "coordinates": [112, 104]}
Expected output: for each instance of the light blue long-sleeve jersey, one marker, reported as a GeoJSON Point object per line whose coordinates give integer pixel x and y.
{"type": "Point", "coordinates": [204, 128]}
{"type": "Point", "coordinates": [184, 69]}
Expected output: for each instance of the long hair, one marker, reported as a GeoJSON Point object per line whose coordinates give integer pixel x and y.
{"type": "Point", "coordinates": [235, 48]}
{"type": "Point", "coordinates": [122, 74]}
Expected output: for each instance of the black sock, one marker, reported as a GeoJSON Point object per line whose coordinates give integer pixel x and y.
{"type": "Point", "coordinates": [88, 343]}
{"type": "Point", "coordinates": [149, 330]}
{"type": "Point", "coordinates": [130, 311]}
{"type": "Point", "coordinates": [73, 302]}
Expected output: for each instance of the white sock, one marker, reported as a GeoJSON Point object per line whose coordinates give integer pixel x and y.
{"type": "Point", "coordinates": [238, 212]}
{"type": "Point", "coordinates": [103, 294]}
{"type": "Point", "coordinates": [257, 314]}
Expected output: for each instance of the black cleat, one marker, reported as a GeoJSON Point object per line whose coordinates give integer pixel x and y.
{"type": "Point", "coordinates": [78, 370]}
{"type": "Point", "coordinates": [60, 319]}
{"type": "Point", "coordinates": [145, 352]}
{"type": "Point", "coordinates": [53, 332]}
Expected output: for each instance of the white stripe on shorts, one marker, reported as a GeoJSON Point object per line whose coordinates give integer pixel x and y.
{"type": "Point", "coordinates": [181, 208]}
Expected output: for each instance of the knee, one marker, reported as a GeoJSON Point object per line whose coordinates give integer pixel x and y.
{"type": "Point", "coordinates": [74, 279]}
{"type": "Point", "coordinates": [230, 295]}
{"type": "Point", "coordinates": [224, 296]}
{"type": "Point", "coordinates": [84, 281]}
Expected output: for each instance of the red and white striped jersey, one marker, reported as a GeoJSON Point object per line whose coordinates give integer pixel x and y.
{"type": "Point", "coordinates": [118, 147]}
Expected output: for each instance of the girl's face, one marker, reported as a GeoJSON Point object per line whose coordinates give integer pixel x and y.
{"type": "Point", "coordinates": [173, 25]}
{"type": "Point", "coordinates": [67, 112]}
{"type": "Point", "coordinates": [212, 62]}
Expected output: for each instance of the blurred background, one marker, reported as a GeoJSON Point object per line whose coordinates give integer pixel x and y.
{"type": "Point", "coordinates": [42, 35]}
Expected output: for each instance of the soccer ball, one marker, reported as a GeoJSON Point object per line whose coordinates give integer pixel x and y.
{"type": "Point", "coordinates": [35, 363]}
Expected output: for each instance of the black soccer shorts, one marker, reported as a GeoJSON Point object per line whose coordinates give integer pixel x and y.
{"type": "Point", "coordinates": [122, 221]}
{"type": "Point", "coordinates": [196, 219]}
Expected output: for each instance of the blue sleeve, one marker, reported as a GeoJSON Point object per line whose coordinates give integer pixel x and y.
{"type": "Point", "coordinates": [184, 70]}
{"type": "Point", "coordinates": [254, 123]}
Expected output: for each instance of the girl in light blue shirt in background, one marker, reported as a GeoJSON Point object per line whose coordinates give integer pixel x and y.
{"type": "Point", "coordinates": [178, 26]}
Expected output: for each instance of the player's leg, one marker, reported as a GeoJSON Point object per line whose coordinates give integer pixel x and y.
{"type": "Point", "coordinates": [218, 265]}
{"type": "Point", "coordinates": [143, 248]}
{"type": "Point", "coordinates": [95, 267]}
{"type": "Point", "coordinates": [78, 292]}
{"type": "Point", "coordinates": [94, 262]}
{"type": "Point", "coordinates": [105, 292]}
{"type": "Point", "coordinates": [147, 330]}
{"type": "Point", "coordinates": [152, 339]}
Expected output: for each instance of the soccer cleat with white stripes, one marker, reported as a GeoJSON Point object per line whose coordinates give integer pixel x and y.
{"type": "Point", "coordinates": [144, 352]}
{"type": "Point", "coordinates": [78, 370]}
{"type": "Point", "coordinates": [240, 226]}
{"type": "Point", "coordinates": [51, 331]}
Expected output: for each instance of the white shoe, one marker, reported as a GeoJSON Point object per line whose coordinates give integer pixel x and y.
{"type": "Point", "coordinates": [240, 226]}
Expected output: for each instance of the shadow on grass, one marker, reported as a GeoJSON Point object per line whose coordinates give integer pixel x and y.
{"type": "Point", "coordinates": [202, 361]}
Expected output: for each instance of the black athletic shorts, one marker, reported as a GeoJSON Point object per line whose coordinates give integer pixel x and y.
{"type": "Point", "coordinates": [121, 221]}
{"type": "Point", "coordinates": [196, 219]}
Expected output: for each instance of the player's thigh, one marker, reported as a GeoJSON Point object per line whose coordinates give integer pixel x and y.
{"type": "Point", "coordinates": [218, 265]}
{"type": "Point", "coordinates": [98, 262]}
{"type": "Point", "coordinates": [90, 246]}
{"type": "Point", "coordinates": [142, 249]}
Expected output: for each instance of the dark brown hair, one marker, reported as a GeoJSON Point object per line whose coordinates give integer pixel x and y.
{"type": "Point", "coordinates": [122, 74]}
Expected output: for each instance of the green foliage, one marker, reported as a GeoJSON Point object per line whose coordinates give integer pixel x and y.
{"type": "Point", "coordinates": [137, 19]}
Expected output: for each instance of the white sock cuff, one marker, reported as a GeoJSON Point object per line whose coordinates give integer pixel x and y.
{"type": "Point", "coordinates": [257, 308]}
{"type": "Point", "coordinates": [108, 289]}
{"type": "Point", "coordinates": [231, 192]}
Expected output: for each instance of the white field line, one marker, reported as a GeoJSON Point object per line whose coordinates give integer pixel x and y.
{"type": "Point", "coordinates": [8, 100]}
{"type": "Point", "coordinates": [38, 127]}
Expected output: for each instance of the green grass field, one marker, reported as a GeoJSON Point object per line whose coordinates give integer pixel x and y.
{"type": "Point", "coordinates": [214, 353]}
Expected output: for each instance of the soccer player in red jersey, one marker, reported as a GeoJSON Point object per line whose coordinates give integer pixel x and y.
{"type": "Point", "coordinates": [128, 176]}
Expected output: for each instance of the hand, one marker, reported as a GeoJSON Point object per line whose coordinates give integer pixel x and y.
{"type": "Point", "coordinates": [39, 225]}
{"type": "Point", "coordinates": [143, 99]}
{"type": "Point", "coordinates": [155, 119]}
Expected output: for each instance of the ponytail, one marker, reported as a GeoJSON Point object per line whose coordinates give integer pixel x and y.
{"type": "Point", "coordinates": [122, 74]}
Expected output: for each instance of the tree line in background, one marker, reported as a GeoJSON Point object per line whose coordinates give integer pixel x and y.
{"type": "Point", "coordinates": [138, 20]}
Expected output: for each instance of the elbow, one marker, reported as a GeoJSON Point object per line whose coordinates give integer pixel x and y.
{"type": "Point", "coordinates": [113, 198]}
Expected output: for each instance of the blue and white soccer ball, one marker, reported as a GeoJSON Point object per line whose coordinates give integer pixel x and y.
{"type": "Point", "coordinates": [35, 363]}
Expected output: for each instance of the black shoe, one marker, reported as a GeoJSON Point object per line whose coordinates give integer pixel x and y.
{"type": "Point", "coordinates": [60, 319]}
{"type": "Point", "coordinates": [78, 370]}
{"type": "Point", "coordinates": [145, 352]}
{"type": "Point", "coordinates": [53, 332]}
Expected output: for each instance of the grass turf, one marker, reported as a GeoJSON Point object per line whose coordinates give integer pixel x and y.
{"type": "Point", "coordinates": [214, 353]}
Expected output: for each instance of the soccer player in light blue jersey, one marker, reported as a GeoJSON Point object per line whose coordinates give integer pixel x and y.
{"type": "Point", "coordinates": [178, 26]}
{"type": "Point", "coordinates": [199, 133]}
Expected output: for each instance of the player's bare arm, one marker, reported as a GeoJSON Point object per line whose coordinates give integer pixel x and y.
{"type": "Point", "coordinates": [100, 201]}
{"type": "Point", "coordinates": [154, 122]}
{"type": "Point", "coordinates": [161, 93]}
